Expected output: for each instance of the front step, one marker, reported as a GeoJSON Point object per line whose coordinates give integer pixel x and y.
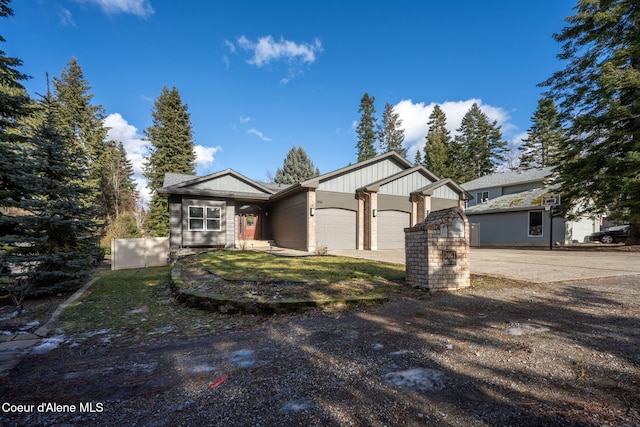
{"type": "Point", "coordinates": [255, 244]}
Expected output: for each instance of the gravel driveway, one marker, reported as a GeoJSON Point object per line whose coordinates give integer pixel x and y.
{"type": "Point", "coordinates": [556, 354]}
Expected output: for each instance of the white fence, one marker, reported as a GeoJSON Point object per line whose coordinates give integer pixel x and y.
{"type": "Point", "coordinates": [139, 253]}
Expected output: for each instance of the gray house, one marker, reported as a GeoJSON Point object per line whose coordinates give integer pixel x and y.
{"type": "Point", "coordinates": [366, 205]}
{"type": "Point", "coordinates": [507, 210]}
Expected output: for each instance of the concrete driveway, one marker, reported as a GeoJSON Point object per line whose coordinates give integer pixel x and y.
{"type": "Point", "coordinates": [534, 265]}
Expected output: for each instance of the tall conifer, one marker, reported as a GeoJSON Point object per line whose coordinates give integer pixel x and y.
{"type": "Point", "coordinates": [438, 144]}
{"type": "Point", "coordinates": [171, 150]}
{"type": "Point", "coordinates": [546, 134]}
{"type": "Point", "coordinates": [390, 133]}
{"type": "Point", "coordinates": [366, 129]}
{"type": "Point", "coordinates": [297, 167]}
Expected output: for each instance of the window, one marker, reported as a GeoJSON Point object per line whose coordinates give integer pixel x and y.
{"type": "Point", "coordinates": [535, 224]}
{"type": "Point", "coordinates": [482, 197]}
{"type": "Point", "coordinates": [201, 219]}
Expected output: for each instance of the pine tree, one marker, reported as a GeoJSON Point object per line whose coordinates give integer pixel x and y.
{"type": "Point", "coordinates": [599, 95]}
{"type": "Point", "coordinates": [14, 109]}
{"type": "Point", "coordinates": [438, 145]}
{"type": "Point", "coordinates": [84, 121]}
{"type": "Point", "coordinates": [390, 134]}
{"type": "Point", "coordinates": [297, 167]}
{"type": "Point", "coordinates": [118, 192]}
{"type": "Point", "coordinates": [172, 150]}
{"type": "Point", "coordinates": [55, 240]}
{"type": "Point", "coordinates": [478, 149]}
{"type": "Point", "coordinates": [546, 135]}
{"type": "Point", "coordinates": [366, 129]}
{"type": "Point", "coordinates": [418, 158]}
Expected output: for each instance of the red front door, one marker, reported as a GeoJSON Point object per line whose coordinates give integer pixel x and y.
{"type": "Point", "coordinates": [249, 227]}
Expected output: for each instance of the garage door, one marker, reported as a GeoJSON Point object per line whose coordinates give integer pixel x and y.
{"type": "Point", "coordinates": [391, 225]}
{"type": "Point", "coordinates": [336, 228]}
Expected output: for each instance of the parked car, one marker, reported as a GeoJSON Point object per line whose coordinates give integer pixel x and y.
{"type": "Point", "coordinates": [611, 234]}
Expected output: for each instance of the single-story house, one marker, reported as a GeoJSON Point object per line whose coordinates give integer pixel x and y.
{"type": "Point", "coordinates": [507, 209]}
{"type": "Point", "coordinates": [363, 206]}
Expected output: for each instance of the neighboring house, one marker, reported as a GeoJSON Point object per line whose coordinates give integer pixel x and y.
{"type": "Point", "coordinates": [507, 208]}
{"type": "Point", "coordinates": [362, 206]}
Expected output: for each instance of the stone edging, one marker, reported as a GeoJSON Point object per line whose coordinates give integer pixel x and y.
{"type": "Point", "coordinates": [223, 304]}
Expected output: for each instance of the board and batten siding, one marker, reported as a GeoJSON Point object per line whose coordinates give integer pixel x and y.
{"type": "Point", "coordinates": [403, 186]}
{"type": "Point", "coordinates": [227, 183]}
{"type": "Point", "coordinates": [351, 181]}
{"type": "Point", "coordinates": [289, 221]}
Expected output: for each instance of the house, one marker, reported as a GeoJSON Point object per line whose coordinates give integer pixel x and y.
{"type": "Point", "coordinates": [364, 206]}
{"type": "Point", "coordinates": [508, 210]}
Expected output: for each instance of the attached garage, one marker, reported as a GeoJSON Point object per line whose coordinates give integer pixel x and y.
{"type": "Point", "coordinates": [336, 228]}
{"type": "Point", "coordinates": [391, 225]}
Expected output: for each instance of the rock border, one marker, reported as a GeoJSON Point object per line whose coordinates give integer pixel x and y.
{"type": "Point", "coordinates": [229, 305]}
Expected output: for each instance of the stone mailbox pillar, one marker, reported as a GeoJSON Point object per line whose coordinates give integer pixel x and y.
{"type": "Point", "coordinates": [437, 251]}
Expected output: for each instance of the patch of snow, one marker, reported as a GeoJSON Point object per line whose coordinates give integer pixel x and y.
{"type": "Point", "coordinates": [419, 379]}
{"type": "Point", "coordinates": [401, 353]}
{"type": "Point", "coordinates": [297, 405]}
{"type": "Point", "coordinates": [515, 331]}
{"type": "Point", "coordinates": [9, 316]}
{"type": "Point", "coordinates": [48, 344]}
{"type": "Point", "coordinates": [94, 333]}
{"type": "Point", "coordinates": [31, 325]}
{"type": "Point", "coordinates": [378, 346]}
{"type": "Point", "coordinates": [198, 369]}
{"type": "Point", "coordinates": [527, 328]}
{"type": "Point", "coordinates": [243, 358]}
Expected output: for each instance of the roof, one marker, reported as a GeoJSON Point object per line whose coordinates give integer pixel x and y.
{"type": "Point", "coordinates": [524, 200]}
{"type": "Point", "coordinates": [171, 179]}
{"type": "Point", "coordinates": [375, 186]}
{"type": "Point", "coordinates": [429, 189]}
{"type": "Point", "coordinates": [503, 179]}
{"type": "Point", "coordinates": [185, 184]}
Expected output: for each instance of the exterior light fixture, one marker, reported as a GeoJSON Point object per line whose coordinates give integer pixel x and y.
{"type": "Point", "coordinates": [375, 212]}
{"type": "Point", "coordinates": [312, 211]}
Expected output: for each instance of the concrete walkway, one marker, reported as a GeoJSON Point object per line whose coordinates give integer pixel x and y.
{"type": "Point", "coordinates": [14, 347]}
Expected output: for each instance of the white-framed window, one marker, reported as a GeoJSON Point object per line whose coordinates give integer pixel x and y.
{"type": "Point", "coordinates": [204, 218]}
{"type": "Point", "coordinates": [482, 197]}
{"type": "Point", "coordinates": [535, 224]}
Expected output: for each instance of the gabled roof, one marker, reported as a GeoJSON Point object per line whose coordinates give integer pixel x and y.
{"type": "Point", "coordinates": [504, 179]}
{"type": "Point", "coordinates": [176, 178]}
{"type": "Point", "coordinates": [392, 155]}
{"type": "Point", "coordinates": [375, 186]}
{"type": "Point", "coordinates": [198, 185]}
{"type": "Point", "coordinates": [429, 189]}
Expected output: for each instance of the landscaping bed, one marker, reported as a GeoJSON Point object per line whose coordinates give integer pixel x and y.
{"type": "Point", "coordinates": [255, 282]}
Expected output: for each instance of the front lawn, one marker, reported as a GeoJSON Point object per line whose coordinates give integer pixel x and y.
{"type": "Point", "coordinates": [264, 267]}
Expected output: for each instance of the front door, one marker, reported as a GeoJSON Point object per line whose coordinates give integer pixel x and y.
{"type": "Point", "coordinates": [248, 227]}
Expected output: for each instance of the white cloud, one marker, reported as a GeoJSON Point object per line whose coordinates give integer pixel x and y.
{"type": "Point", "coordinates": [267, 49]}
{"type": "Point", "coordinates": [245, 119]}
{"type": "Point", "coordinates": [415, 116]}
{"type": "Point", "coordinates": [66, 18]}
{"type": "Point", "coordinates": [141, 8]}
{"type": "Point", "coordinates": [259, 134]}
{"type": "Point", "coordinates": [205, 157]}
{"type": "Point", "coordinates": [120, 130]}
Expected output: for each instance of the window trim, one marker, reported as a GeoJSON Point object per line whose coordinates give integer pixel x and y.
{"type": "Point", "coordinates": [482, 199]}
{"type": "Point", "coordinates": [541, 224]}
{"type": "Point", "coordinates": [204, 218]}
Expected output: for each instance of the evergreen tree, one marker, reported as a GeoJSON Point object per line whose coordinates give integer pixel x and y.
{"type": "Point", "coordinates": [84, 121]}
{"type": "Point", "coordinates": [14, 109]}
{"type": "Point", "coordinates": [118, 193]}
{"type": "Point", "coordinates": [478, 148]}
{"type": "Point", "coordinates": [541, 148]}
{"type": "Point", "coordinates": [390, 134]}
{"type": "Point", "coordinates": [438, 145]}
{"type": "Point", "coordinates": [418, 159]}
{"type": "Point", "coordinates": [172, 150]}
{"type": "Point", "coordinates": [297, 167]}
{"type": "Point", "coordinates": [55, 240]}
{"type": "Point", "coordinates": [599, 95]}
{"type": "Point", "coordinates": [366, 129]}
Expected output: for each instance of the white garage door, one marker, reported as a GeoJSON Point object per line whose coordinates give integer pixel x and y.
{"type": "Point", "coordinates": [336, 228]}
{"type": "Point", "coordinates": [391, 225]}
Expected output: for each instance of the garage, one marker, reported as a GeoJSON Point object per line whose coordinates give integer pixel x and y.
{"type": "Point", "coordinates": [391, 225]}
{"type": "Point", "coordinates": [336, 228]}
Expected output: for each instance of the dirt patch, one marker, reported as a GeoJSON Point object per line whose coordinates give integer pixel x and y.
{"type": "Point", "coordinates": [495, 354]}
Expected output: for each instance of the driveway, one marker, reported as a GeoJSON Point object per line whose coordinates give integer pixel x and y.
{"type": "Point", "coordinates": [534, 265]}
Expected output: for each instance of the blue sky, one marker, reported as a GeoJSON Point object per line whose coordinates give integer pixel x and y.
{"type": "Point", "coordinates": [262, 76]}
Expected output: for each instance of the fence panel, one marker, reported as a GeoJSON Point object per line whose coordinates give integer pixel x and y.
{"type": "Point", "coordinates": [139, 253]}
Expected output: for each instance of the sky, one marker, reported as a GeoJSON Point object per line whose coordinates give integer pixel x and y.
{"type": "Point", "coordinates": [259, 77]}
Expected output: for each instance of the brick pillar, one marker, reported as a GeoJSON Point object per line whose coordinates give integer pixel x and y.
{"type": "Point", "coordinates": [414, 199]}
